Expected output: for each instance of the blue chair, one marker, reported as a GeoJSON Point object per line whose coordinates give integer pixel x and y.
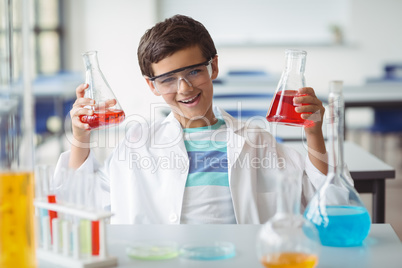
{"type": "Point", "coordinates": [48, 107]}
{"type": "Point", "coordinates": [54, 96]}
{"type": "Point", "coordinates": [387, 120]}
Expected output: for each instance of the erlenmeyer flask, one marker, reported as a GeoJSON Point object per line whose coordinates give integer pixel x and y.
{"type": "Point", "coordinates": [282, 109]}
{"type": "Point", "coordinates": [288, 239]}
{"type": "Point", "coordinates": [336, 209]}
{"type": "Point", "coordinates": [107, 110]}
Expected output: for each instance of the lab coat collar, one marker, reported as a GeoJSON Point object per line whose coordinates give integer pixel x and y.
{"type": "Point", "coordinates": [236, 138]}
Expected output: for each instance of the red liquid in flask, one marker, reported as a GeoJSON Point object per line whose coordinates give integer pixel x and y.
{"type": "Point", "coordinates": [283, 110]}
{"type": "Point", "coordinates": [99, 119]}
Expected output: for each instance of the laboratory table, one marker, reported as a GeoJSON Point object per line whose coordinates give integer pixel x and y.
{"type": "Point", "coordinates": [382, 248]}
{"type": "Point", "coordinates": [368, 172]}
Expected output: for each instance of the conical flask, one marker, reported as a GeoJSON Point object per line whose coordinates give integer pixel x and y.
{"type": "Point", "coordinates": [288, 239]}
{"type": "Point", "coordinates": [107, 110]}
{"type": "Point", "coordinates": [282, 109]}
{"type": "Point", "coordinates": [336, 209]}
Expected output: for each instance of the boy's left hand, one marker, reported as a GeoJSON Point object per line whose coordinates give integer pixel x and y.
{"type": "Point", "coordinates": [312, 109]}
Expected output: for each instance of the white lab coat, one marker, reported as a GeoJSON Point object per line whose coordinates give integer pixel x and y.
{"type": "Point", "coordinates": [144, 179]}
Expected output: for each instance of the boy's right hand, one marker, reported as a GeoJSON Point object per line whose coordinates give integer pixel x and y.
{"type": "Point", "coordinates": [81, 131]}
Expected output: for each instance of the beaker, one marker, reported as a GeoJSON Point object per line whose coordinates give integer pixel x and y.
{"type": "Point", "coordinates": [288, 239]}
{"type": "Point", "coordinates": [17, 236]}
{"type": "Point", "coordinates": [282, 109]}
{"type": "Point", "coordinates": [107, 110]}
{"type": "Point", "coordinates": [336, 209]}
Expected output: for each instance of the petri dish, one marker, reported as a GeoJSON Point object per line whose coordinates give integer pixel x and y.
{"type": "Point", "coordinates": [152, 250]}
{"type": "Point", "coordinates": [207, 251]}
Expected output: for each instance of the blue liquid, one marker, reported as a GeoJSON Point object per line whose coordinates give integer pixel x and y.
{"type": "Point", "coordinates": [344, 226]}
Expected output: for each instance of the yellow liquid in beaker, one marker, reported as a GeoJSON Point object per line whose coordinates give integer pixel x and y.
{"type": "Point", "coordinates": [17, 241]}
{"type": "Point", "coordinates": [290, 260]}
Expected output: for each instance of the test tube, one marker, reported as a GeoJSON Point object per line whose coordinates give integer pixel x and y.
{"type": "Point", "coordinates": [92, 205]}
{"type": "Point", "coordinates": [66, 240]}
{"type": "Point", "coordinates": [70, 194]}
{"type": "Point", "coordinates": [39, 195]}
{"type": "Point", "coordinates": [45, 233]}
{"type": "Point", "coordinates": [49, 192]}
{"type": "Point", "coordinates": [63, 196]}
{"type": "Point", "coordinates": [81, 203]}
{"type": "Point", "coordinates": [56, 235]}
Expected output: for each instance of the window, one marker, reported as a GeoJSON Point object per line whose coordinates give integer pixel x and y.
{"type": "Point", "coordinates": [46, 38]}
{"type": "Point", "coordinates": [48, 35]}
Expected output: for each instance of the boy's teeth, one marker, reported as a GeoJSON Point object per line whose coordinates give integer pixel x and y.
{"type": "Point", "coordinates": [185, 101]}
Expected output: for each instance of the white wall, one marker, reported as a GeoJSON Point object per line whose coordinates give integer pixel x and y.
{"type": "Point", "coordinates": [376, 38]}
{"type": "Point", "coordinates": [115, 27]}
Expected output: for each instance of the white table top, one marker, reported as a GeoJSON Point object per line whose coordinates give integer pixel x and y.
{"type": "Point", "coordinates": [361, 164]}
{"type": "Point", "coordinates": [61, 85]}
{"type": "Point", "coordinates": [371, 95]}
{"type": "Point", "coordinates": [367, 95]}
{"type": "Point", "coordinates": [382, 247]}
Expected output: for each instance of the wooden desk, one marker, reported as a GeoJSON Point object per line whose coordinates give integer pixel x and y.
{"type": "Point", "coordinates": [368, 172]}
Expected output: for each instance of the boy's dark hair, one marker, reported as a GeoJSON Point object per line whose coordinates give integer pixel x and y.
{"type": "Point", "coordinates": [167, 37]}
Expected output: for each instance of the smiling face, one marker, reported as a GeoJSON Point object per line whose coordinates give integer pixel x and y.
{"type": "Point", "coordinates": [191, 105]}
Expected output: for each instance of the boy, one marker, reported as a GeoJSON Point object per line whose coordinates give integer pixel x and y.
{"type": "Point", "coordinates": [198, 165]}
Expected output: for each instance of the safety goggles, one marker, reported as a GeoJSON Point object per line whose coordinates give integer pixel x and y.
{"type": "Point", "coordinates": [193, 75]}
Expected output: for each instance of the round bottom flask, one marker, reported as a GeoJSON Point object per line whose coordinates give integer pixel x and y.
{"type": "Point", "coordinates": [341, 226]}
{"type": "Point", "coordinates": [287, 239]}
{"type": "Point", "coordinates": [336, 208]}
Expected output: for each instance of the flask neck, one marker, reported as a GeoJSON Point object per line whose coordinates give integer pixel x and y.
{"type": "Point", "coordinates": [91, 60]}
{"type": "Point", "coordinates": [295, 62]}
{"type": "Point", "coordinates": [289, 193]}
{"type": "Point", "coordinates": [336, 132]}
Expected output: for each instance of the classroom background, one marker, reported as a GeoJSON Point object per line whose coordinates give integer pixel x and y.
{"type": "Point", "coordinates": [356, 41]}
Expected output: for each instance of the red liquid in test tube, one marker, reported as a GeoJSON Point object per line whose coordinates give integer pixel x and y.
{"type": "Point", "coordinates": [95, 238]}
{"type": "Point", "coordinates": [52, 214]}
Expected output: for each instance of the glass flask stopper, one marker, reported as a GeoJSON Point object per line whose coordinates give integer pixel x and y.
{"type": "Point", "coordinates": [107, 110]}
{"type": "Point", "coordinates": [336, 209]}
{"type": "Point", "coordinates": [287, 239]}
{"type": "Point", "coordinates": [282, 109]}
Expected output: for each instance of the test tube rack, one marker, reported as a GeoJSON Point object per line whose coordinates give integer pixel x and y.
{"type": "Point", "coordinates": [69, 253]}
